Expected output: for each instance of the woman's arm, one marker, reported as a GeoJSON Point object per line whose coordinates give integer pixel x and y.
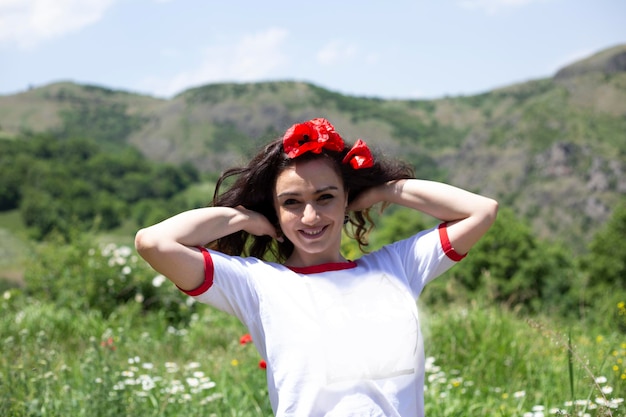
{"type": "Point", "coordinates": [469, 215]}
{"type": "Point", "coordinates": [170, 246]}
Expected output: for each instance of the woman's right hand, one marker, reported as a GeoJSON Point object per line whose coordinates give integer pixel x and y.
{"type": "Point", "coordinates": [257, 224]}
{"type": "Point", "coordinates": [171, 245]}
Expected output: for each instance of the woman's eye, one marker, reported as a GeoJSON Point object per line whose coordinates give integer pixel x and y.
{"type": "Point", "coordinates": [326, 197]}
{"type": "Point", "coordinates": [290, 202]}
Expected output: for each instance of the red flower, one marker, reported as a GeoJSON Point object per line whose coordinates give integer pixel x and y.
{"type": "Point", "coordinates": [245, 339]}
{"type": "Point", "coordinates": [359, 156]}
{"type": "Point", "coordinates": [262, 364]}
{"type": "Point", "coordinates": [311, 136]}
{"type": "Point", "coordinates": [108, 344]}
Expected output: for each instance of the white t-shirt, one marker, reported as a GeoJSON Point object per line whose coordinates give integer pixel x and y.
{"type": "Point", "coordinates": [339, 339]}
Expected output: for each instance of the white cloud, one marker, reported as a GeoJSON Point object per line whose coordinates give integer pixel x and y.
{"type": "Point", "coordinates": [27, 23]}
{"type": "Point", "coordinates": [252, 58]}
{"type": "Point", "coordinates": [336, 52]}
{"type": "Point", "coordinates": [494, 6]}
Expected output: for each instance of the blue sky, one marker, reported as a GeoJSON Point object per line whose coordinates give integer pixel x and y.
{"type": "Point", "coordinates": [387, 49]}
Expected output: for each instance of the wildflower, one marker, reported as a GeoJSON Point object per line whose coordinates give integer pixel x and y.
{"type": "Point", "coordinates": [601, 380]}
{"type": "Point", "coordinates": [171, 367]}
{"type": "Point", "coordinates": [519, 394]}
{"type": "Point", "coordinates": [245, 339]}
{"type": "Point", "coordinates": [147, 383]}
{"type": "Point", "coordinates": [607, 390]}
{"type": "Point", "coordinates": [108, 344]}
{"type": "Point", "coordinates": [210, 398]}
{"type": "Point", "coordinates": [234, 362]}
{"type": "Point", "coordinates": [125, 251]}
{"type": "Point", "coordinates": [599, 338]}
{"type": "Point", "coordinates": [207, 385]}
{"type": "Point", "coordinates": [262, 364]}
{"type": "Point", "coordinates": [158, 281]}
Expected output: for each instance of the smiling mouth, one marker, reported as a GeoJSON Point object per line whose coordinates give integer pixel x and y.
{"type": "Point", "coordinates": [313, 233]}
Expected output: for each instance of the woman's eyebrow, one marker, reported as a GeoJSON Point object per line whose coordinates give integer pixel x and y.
{"type": "Point", "coordinates": [319, 191]}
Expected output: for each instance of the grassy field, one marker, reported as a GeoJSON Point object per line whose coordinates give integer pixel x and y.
{"type": "Point", "coordinates": [72, 347]}
{"type": "Point", "coordinates": [481, 362]}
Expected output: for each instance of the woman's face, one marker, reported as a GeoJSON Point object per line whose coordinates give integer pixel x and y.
{"type": "Point", "coordinates": [311, 202]}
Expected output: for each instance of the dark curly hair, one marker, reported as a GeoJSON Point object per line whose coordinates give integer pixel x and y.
{"type": "Point", "coordinates": [253, 188]}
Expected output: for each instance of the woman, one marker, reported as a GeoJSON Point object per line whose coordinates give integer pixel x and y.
{"type": "Point", "coordinates": [340, 337]}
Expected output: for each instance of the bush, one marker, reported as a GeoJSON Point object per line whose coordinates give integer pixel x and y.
{"type": "Point", "coordinates": [82, 276]}
{"type": "Point", "coordinates": [512, 266]}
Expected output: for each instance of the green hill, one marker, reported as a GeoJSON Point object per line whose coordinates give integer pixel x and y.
{"type": "Point", "coordinates": [554, 149]}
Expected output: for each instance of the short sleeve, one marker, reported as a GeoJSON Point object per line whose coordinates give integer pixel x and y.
{"type": "Point", "coordinates": [422, 257]}
{"type": "Point", "coordinates": [228, 284]}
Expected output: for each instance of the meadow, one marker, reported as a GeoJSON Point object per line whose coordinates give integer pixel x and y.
{"type": "Point", "coordinates": [145, 349]}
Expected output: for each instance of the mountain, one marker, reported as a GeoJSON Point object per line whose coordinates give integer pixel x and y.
{"type": "Point", "coordinates": [553, 149]}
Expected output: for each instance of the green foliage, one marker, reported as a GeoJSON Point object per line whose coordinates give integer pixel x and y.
{"type": "Point", "coordinates": [64, 184]}
{"type": "Point", "coordinates": [395, 224]}
{"type": "Point", "coordinates": [511, 265]}
{"type": "Point", "coordinates": [83, 276]}
{"type": "Point", "coordinates": [13, 166]}
{"type": "Point", "coordinates": [105, 122]}
{"type": "Point", "coordinates": [606, 261]}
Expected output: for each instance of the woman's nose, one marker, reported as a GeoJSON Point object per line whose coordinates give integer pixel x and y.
{"type": "Point", "coordinates": [309, 215]}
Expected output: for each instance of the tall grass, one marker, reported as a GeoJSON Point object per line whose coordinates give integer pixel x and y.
{"type": "Point", "coordinates": [96, 333]}
{"type": "Point", "coordinates": [499, 364]}
{"type": "Point", "coordinates": [482, 361]}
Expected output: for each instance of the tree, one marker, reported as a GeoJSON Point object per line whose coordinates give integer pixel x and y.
{"type": "Point", "coordinates": [511, 265]}
{"type": "Point", "coordinates": [606, 261]}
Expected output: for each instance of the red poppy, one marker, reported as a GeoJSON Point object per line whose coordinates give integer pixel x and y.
{"type": "Point", "coordinates": [311, 136]}
{"type": "Point", "coordinates": [359, 156]}
{"type": "Point", "coordinates": [245, 339]}
{"type": "Point", "coordinates": [262, 364]}
{"type": "Point", "coordinates": [108, 344]}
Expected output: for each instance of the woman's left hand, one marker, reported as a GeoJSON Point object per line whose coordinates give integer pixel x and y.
{"type": "Point", "coordinates": [372, 196]}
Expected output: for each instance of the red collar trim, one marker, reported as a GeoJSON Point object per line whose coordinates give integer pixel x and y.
{"type": "Point", "coordinates": [329, 267]}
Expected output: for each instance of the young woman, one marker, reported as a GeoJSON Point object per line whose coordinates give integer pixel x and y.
{"type": "Point", "coordinates": [341, 337]}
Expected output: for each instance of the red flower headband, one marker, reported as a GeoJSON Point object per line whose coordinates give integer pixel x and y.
{"type": "Point", "coordinates": [317, 134]}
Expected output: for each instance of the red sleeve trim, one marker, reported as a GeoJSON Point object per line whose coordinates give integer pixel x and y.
{"type": "Point", "coordinates": [446, 245]}
{"type": "Point", "coordinates": [208, 275]}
